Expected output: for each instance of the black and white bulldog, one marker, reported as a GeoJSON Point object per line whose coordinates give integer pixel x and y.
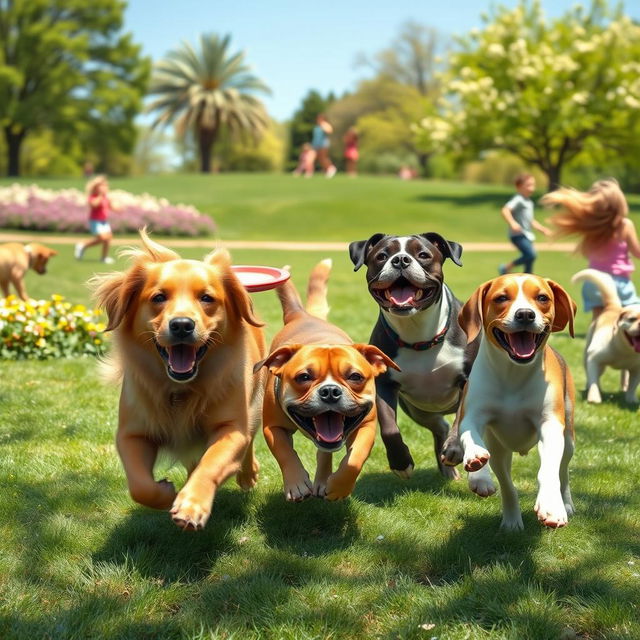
{"type": "Point", "coordinates": [418, 329]}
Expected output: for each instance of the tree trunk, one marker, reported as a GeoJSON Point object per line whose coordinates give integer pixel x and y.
{"type": "Point", "coordinates": [14, 143]}
{"type": "Point", "coordinates": [206, 138]}
{"type": "Point", "coordinates": [423, 161]}
{"type": "Point", "coordinates": [553, 176]}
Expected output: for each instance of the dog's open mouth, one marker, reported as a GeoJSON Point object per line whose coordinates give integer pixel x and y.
{"type": "Point", "coordinates": [403, 295]}
{"type": "Point", "coordinates": [634, 341]}
{"type": "Point", "coordinates": [182, 360]}
{"type": "Point", "coordinates": [330, 429]}
{"type": "Point", "coordinates": [520, 345]}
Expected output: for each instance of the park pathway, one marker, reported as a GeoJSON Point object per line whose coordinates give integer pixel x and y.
{"type": "Point", "coordinates": [211, 243]}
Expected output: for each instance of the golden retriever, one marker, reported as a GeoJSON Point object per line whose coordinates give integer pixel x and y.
{"type": "Point", "coordinates": [185, 341]}
{"type": "Point", "coordinates": [16, 259]}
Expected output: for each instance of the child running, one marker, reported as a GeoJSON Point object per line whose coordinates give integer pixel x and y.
{"type": "Point", "coordinates": [518, 213]}
{"type": "Point", "coordinates": [607, 236]}
{"type": "Point", "coordinates": [97, 190]}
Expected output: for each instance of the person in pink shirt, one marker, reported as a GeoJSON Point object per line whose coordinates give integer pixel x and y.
{"type": "Point", "coordinates": [97, 190]}
{"type": "Point", "coordinates": [608, 238]}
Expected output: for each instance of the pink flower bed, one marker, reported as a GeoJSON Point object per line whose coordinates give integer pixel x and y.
{"type": "Point", "coordinates": [30, 207]}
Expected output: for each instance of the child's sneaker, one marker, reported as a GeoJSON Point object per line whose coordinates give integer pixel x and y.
{"type": "Point", "coordinates": [78, 250]}
{"type": "Point", "coordinates": [502, 269]}
{"type": "Point", "coordinates": [331, 171]}
{"type": "Point", "coordinates": [108, 260]}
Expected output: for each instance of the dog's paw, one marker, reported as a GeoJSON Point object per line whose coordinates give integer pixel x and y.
{"type": "Point", "coordinates": [593, 395]}
{"type": "Point", "coordinates": [319, 489]}
{"type": "Point", "coordinates": [481, 485]}
{"type": "Point", "coordinates": [190, 513]}
{"type": "Point", "coordinates": [405, 474]}
{"type": "Point", "coordinates": [551, 511]}
{"type": "Point", "coordinates": [400, 461]}
{"type": "Point", "coordinates": [452, 452]}
{"type": "Point", "coordinates": [512, 522]}
{"type": "Point", "coordinates": [338, 487]}
{"type": "Point", "coordinates": [475, 458]}
{"type": "Point", "coordinates": [248, 478]}
{"type": "Point", "coordinates": [569, 508]}
{"type": "Point", "coordinates": [298, 489]}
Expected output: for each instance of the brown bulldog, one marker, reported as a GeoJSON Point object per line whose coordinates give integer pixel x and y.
{"type": "Point", "coordinates": [322, 384]}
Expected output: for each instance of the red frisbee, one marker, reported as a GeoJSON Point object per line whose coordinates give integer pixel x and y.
{"type": "Point", "coordinates": [258, 278]}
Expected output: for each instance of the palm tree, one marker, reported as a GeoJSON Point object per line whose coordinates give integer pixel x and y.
{"type": "Point", "coordinates": [205, 91]}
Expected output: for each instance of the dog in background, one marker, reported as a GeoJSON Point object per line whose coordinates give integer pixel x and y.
{"type": "Point", "coordinates": [418, 329]}
{"type": "Point", "coordinates": [185, 340]}
{"type": "Point", "coordinates": [16, 259]}
{"type": "Point", "coordinates": [520, 393]}
{"type": "Point", "coordinates": [321, 384]}
{"type": "Point", "coordinates": [613, 339]}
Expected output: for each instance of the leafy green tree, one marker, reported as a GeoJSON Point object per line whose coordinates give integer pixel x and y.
{"type": "Point", "coordinates": [547, 91]}
{"type": "Point", "coordinates": [412, 59]}
{"type": "Point", "coordinates": [205, 91]}
{"type": "Point", "coordinates": [66, 66]}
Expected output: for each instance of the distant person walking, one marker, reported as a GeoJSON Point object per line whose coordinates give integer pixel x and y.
{"type": "Point", "coordinates": [351, 151]}
{"type": "Point", "coordinates": [518, 214]}
{"type": "Point", "coordinates": [99, 205]}
{"type": "Point", "coordinates": [306, 160]}
{"type": "Point", "coordinates": [600, 217]}
{"type": "Point", "coordinates": [320, 143]}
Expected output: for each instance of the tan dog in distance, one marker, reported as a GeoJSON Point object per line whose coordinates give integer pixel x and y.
{"type": "Point", "coordinates": [519, 394]}
{"type": "Point", "coordinates": [185, 340]}
{"type": "Point", "coordinates": [16, 259]}
{"type": "Point", "coordinates": [322, 384]}
{"type": "Point", "coordinates": [613, 339]}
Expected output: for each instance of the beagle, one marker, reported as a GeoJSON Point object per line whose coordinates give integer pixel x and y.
{"type": "Point", "coordinates": [520, 393]}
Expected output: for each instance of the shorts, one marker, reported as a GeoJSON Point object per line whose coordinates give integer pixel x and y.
{"type": "Point", "coordinates": [626, 292]}
{"type": "Point", "coordinates": [98, 227]}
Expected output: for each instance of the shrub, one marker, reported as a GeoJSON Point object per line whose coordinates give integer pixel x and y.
{"type": "Point", "coordinates": [30, 207]}
{"type": "Point", "coordinates": [42, 329]}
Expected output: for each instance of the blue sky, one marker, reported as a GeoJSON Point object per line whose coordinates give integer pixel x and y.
{"type": "Point", "coordinates": [301, 45]}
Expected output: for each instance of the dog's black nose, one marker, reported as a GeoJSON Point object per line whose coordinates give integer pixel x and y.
{"type": "Point", "coordinates": [181, 327]}
{"type": "Point", "coordinates": [525, 315]}
{"type": "Point", "coordinates": [401, 261]}
{"type": "Point", "coordinates": [330, 393]}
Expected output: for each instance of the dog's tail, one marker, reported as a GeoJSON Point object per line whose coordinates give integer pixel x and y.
{"type": "Point", "coordinates": [316, 294]}
{"type": "Point", "coordinates": [317, 304]}
{"type": "Point", "coordinates": [604, 282]}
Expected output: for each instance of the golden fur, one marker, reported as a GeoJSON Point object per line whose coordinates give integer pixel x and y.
{"type": "Point", "coordinates": [16, 259]}
{"type": "Point", "coordinates": [596, 215]}
{"type": "Point", "coordinates": [191, 392]}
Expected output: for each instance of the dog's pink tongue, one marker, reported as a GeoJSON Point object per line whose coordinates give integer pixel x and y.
{"type": "Point", "coordinates": [523, 343]}
{"type": "Point", "coordinates": [402, 295]}
{"type": "Point", "coordinates": [329, 426]}
{"type": "Point", "coordinates": [182, 357]}
{"type": "Point", "coordinates": [635, 342]}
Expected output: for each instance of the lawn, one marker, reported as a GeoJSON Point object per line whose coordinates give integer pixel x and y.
{"type": "Point", "coordinates": [400, 559]}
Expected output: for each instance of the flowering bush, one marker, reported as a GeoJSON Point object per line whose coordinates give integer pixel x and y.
{"type": "Point", "coordinates": [41, 329]}
{"type": "Point", "coordinates": [30, 207]}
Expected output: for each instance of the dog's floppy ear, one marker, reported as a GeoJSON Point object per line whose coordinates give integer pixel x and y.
{"type": "Point", "coordinates": [448, 248]}
{"type": "Point", "coordinates": [378, 360]}
{"type": "Point", "coordinates": [237, 299]}
{"type": "Point", "coordinates": [115, 292]}
{"type": "Point", "coordinates": [565, 308]}
{"type": "Point", "coordinates": [359, 249]}
{"type": "Point", "coordinates": [278, 358]}
{"type": "Point", "coordinates": [470, 317]}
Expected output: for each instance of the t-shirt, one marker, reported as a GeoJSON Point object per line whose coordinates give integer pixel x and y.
{"type": "Point", "coordinates": [319, 138]}
{"type": "Point", "coordinates": [99, 212]}
{"type": "Point", "coordinates": [522, 211]}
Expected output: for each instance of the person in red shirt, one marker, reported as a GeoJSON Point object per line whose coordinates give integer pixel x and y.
{"type": "Point", "coordinates": [97, 190]}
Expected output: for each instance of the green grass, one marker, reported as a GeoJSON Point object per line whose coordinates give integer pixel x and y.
{"type": "Point", "coordinates": [79, 560]}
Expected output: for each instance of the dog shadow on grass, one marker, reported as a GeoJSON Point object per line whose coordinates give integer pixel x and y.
{"type": "Point", "coordinates": [150, 542]}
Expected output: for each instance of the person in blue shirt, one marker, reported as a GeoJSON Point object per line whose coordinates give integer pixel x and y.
{"type": "Point", "coordinates": [320, 143]}
{"type": "Point", "coordinates": [518, 214]}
